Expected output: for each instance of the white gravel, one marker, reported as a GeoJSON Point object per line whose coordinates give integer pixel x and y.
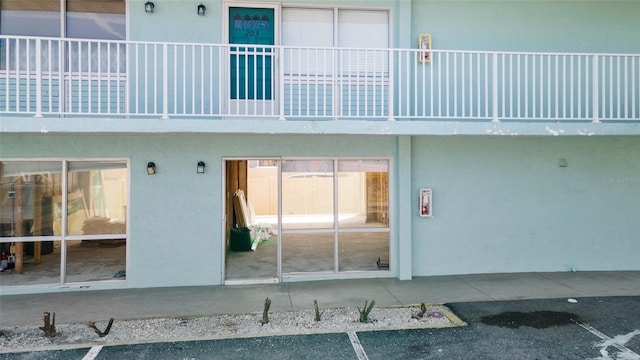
{"type": "Point", "coordinates": [225, 326]}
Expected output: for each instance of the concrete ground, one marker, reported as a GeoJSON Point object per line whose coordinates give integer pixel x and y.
{"type": "Point", "coordinates": [84, 305]}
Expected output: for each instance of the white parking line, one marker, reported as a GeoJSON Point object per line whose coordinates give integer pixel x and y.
{"type": "Point", "coordinates": [357, 347]}
{"type": "Point", "coordinates": [93, 352]}
{"type": "Point", "coordinates": [617, 342]}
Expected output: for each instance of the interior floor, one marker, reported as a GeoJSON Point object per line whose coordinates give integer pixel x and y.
{"type": "Point", "coordinates": [86, 261]}
{"type": "Point", "coordinates": [311, 252]}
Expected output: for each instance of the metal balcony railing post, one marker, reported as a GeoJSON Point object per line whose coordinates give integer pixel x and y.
{"type": "Point", "coordinates": [62, 64]}
{"type": "Point", "coordinates": [335, 86]}
{"type": "Point", "coordinates": [595, 90]}
{"type": "Point", "coordinates": [494, 88]}
{"type": "Point", "coordinates": [127, 81]}
{"type": "Point", "coordinates": [280, 60]}
{"type": "Point", "coordinates": [391, 92]}
{"type": "Point", "coordinates": [39, 93]}
{"type": "Point", "coordinates": [165, 83]}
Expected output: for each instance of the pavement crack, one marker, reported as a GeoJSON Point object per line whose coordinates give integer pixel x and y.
{"type": "Point", "coordinates": [480, 291]}
{"type": "Point", "coordinates": [392, 295]}
{"type": "Point", "coordinates": [289, 295]}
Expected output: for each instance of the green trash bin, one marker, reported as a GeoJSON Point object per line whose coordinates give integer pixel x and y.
{"type": "Point", "coordinates": [240, 239]}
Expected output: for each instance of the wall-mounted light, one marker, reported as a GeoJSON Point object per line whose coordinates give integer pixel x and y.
{"type": "Point", "coordinates": [151, 168]}
{"type": "Point", "coordinates": [148, 7]}
{"type": "Point", "coordinates": [200, 167]}
{"type": "Point", "coordinates": [201, 9]}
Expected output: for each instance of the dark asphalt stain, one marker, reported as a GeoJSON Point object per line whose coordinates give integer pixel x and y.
{"type": "Point", "coordinates": [535, 319]}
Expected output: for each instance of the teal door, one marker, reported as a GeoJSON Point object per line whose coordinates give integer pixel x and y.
{"type": "Point", "coordinates": [250, 67]}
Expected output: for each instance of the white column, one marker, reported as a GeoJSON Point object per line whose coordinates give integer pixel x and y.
{"type": "Point", "coordinates": [405, 206]}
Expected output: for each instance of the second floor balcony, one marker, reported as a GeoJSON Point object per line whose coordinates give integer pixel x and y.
{"type": "Point", "coordinates": [53, 77]}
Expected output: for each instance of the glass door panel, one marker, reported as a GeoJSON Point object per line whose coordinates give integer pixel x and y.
{"type": "Point", "coordinates": [363, 193]}
{"type": "Point", "coordinates": [363, 251]}
{"type": "Point", "coordinates": [363, 215]}
{"type": "Point", "coordinates": [307, 207]}
{"type": "Point", "coordinates": [308, 252]}
{"type": "Point", "coordinates": [307, 194]}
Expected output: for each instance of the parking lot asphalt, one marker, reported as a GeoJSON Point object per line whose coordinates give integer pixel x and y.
{"type": "Point", "coordinates": [509, 316]}
{"type": "Point", "coordinates": [600, 328]}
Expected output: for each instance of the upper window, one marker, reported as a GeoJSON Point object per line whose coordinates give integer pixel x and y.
{"type": "Point", "coordinates": [30, 18]}
{"type": "Point", "coordinates": [87, 19]}
{"type": "Point", "coordinates": [96, 19]}
{"type": "Point", "coordinates": [84, 19]}
{"type": "Point", "coordinates": [316, 27]}
{"type": "Point", "coordinates": [316, 31]}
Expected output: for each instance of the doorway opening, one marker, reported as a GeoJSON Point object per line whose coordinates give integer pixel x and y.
{"type": "Point", "coordinates": [251, 227]}
{"type": "Point", "coordinates": [297, 218]}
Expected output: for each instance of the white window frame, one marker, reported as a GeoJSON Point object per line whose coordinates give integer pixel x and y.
{"type": "Point", "coordinates": [64, 237]}
{"type": "Point", "coordinates": [336, 229]}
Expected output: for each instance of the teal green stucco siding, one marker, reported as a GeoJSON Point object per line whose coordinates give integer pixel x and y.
{"type": "Point", "coordinates": [176, 216]}
{"type": "Point", "coordinates": [559, 26]}
{"type": "Point", "coordinates": [504, 204]}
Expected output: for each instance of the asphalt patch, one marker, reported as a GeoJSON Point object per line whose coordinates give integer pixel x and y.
{"type": "Point", "coordinates": [535, 319]}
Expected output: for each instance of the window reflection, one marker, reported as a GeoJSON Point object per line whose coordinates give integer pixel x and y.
{"type": "Point", "coordinates": [307, 194]}
{"type": "Point", "coordinates": [95, 20]}
{"type": "Point", "coordinates": [32, 204]}
{"type": "Point", "coordinates": [96, 198]}
{"type": "Point", "coordinates": [360, 190]}
{"type": "Point", "coordinates": [27, 190]}
{"type": "Point", "coordinates": [23, 22]}
{"type": "Point", "coordinates": [363, 193]}
{"type": "Point", "coordinates": [363, 251]}
{"type": "Point", "coordinates": [26, 196]}
{"type": "Point", "coordinates": [87, 25]}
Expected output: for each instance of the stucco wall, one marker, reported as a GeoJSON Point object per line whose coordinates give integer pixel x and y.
{"type": "Point", "coordinates": [177, 21]}
{"type": "Point", "coordinates": [524, 25]}
{"type": "Point", "coordinates": [504, 204]}
{"type": "Point", "coordinates": [176, 215]}
{"type": "Point", "coordinates": [500, 203]}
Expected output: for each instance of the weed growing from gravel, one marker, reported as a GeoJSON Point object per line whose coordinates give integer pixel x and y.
{"type": "Point", "coordinates": [265, 312]}
{"type": "Point", "coordinates": [318, 312]}
{"type": "Point", "coordinates": [364, 312]}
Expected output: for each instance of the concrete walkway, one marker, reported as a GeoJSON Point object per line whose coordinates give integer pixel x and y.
{"type": "Point", "coordinates": [91, 305]}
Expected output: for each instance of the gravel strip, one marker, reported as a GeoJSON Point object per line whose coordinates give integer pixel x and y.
{"type": "Point", "coordinates": [225, 326]}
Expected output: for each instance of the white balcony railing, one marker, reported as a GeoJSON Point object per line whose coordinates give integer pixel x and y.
{"type": "Point", "coordinates": [69, 77]}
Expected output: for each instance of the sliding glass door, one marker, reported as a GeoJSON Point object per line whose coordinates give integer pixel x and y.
{"type": "Point", "coordinates": [306, 217]}
{"type": "Point", "coordinates": [335, 215]}
{"type": "Point", "coordinates": [308, 226]}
